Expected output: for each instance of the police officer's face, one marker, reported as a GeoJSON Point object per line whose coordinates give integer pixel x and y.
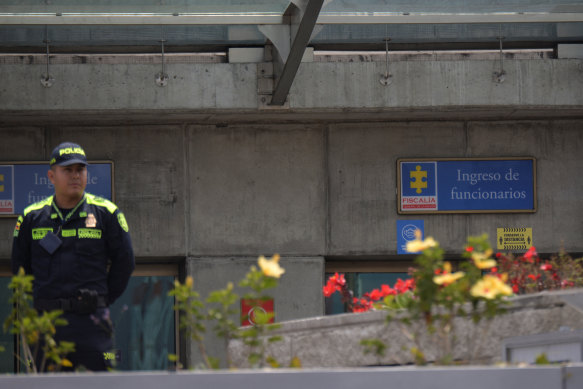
{"type": "Point", "coordinates": [69, 181]}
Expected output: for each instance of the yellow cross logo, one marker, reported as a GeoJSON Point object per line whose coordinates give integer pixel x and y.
{"type": "Point", "coordinates": [418, 175]}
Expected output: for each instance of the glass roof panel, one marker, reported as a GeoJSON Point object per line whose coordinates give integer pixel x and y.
{"type": "Point", "coordinates": [218, 36]}
{"type": "Point", "coordinates": [333, 36]}
{"type": "Point", "coordinates": [450, 6]}
{"type": "Point", "coordinates": [419, 33]}
{"type": "Point", "coordinates": [146, 6]}
{"type": "Point", "coordinates": [219, 24]}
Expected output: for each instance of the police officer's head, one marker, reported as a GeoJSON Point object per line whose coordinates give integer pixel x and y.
{"type": "Point", "coordinates": [68, 172]}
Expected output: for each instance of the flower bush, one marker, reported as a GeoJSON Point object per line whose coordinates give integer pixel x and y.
{"type": "Point", "coordinates": [529, 273]}
{"type": "Point", "coordinates": [428, 303]}
{"type": "Point", "coordinates": [36, 330]}
{"type": "Point", "coordinates": [219, 308]}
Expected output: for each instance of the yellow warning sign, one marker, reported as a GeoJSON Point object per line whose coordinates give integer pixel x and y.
{"type": "Point", "coordinates": [513, 238]}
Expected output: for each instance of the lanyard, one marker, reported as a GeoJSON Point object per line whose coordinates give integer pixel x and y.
{"type": "Point", "coordinates": [65, 219]}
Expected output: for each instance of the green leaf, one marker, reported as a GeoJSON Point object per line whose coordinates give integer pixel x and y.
{"type": "Point", "coordinates": [542, 359]}
{"type": "Point", "coordinates": [373, 346]}
{"type": "Point", "coordinates": [295, 363]}
{"type": "Point", "coordinates": [215, 363]}
{"type": "Point", "coordinates": [272, 362]}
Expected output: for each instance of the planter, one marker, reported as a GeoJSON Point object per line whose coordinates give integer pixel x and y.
{"type": "Point", "coordinates": [334, 341]}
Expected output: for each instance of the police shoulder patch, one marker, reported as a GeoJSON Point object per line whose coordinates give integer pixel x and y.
{"type": "Point", "coordinates": [17, 227]}
{"type": "Point", "coordinates": [122, 222]}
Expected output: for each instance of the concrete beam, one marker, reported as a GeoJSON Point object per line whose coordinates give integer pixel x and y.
{"type": "Point", "coordinates": [206, 89]}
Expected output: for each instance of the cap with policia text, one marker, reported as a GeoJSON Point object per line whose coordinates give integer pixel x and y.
{"type": "Point", "coordinates": [67, 154]}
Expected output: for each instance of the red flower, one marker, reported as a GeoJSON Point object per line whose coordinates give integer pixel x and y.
{"type": "Point", "coordinates": [338, 279]}
{"type": "Point", "coordinates": [386, 290]}
{"type": "Point", "coordinates": [515, 288]}
{"type": "Point", "coordinates": [335, 283]}
{"type": "Point", "coordinates": [404, 286]}
{"type": "Point", "coordinates": [328, 290]}
{"type": "Point", "coordinates": [498, 255]}
{"type": "Point", "coordinates": [533, 277]}
{"type": "Point", "coordinates": [530, 254]}
{"type": "Point", "coordinates": [361, 305]}
{"type": "Point", "coordinates": [546, 267]}
{"type": "Point", "coordinates": [375, 295]}
{"type": "Point", "coordinates": [494, 270]}
{"type": "Point", "coordinates": [469, 249]}
{"type": "Point", "coordinates": [565, 283]}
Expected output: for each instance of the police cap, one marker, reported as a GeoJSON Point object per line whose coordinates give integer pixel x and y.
{"type": "Point", "coordinates": [68, 153]}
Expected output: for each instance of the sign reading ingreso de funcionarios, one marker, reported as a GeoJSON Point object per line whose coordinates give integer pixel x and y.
{"type": "Point", "coordinates": [468, 185]}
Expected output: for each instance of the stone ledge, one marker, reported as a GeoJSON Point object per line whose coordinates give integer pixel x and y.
{"type": "Point", "coordinates": [475, 377]}
{"type": "Point", "coordinates": [334, 341]}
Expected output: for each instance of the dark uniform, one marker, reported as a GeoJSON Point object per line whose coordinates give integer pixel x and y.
{"type": "Point", "coordinates": [82, 272]}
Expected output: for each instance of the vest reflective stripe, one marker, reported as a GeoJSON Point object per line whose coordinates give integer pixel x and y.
{"type": "Point", "coordinates": [101, 202]}
{"type": "Point", "coordinates": [89, 233]}
{"type": "Point", "coordinates": [69, 233]}
{"type": "Point", "coordinates": [39, 233]}
{"type": "Point", "coordinates": [39, 205]}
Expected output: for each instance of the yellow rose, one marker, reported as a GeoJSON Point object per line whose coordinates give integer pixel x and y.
{"type": "Point", "coordinates": [270, 267]}
{"type": "Point", "coordinates": [447, 277]}
{"type": "Point", "coordinates": [483, 260]}
{"type": "Point", "coordinates": [417, 245]}
{"type": "Point", "coordinates": [490, 287]}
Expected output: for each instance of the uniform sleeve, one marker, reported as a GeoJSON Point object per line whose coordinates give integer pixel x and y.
{"type": "Point", "coordinates": [21, 246]}
{"type": "Point", "coordinates": [121, 254]}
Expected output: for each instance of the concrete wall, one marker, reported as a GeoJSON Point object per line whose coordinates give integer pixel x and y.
{"type": "Point", "coordinates": [205, 174]}
{"type": "Point", "coordinates": [298, 293]}
{"type": "Point", "coordinates": [307, 190]}
{"type": "Point", "coordinates": [221, 196]}
{"type": "Point", "coordinates": [362, 172]}
{"type": "Point", "coordinates": [256, 189]}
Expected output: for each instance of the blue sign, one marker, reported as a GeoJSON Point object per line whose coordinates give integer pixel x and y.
{"type": "Point", "coordinates": [406, 230]}
{"type": "Point", "coordinates": [6, 189]}
{"type": "Point", "coordinates": [22, 184]}
{"type": "Point", "coordinates": [467, 185]}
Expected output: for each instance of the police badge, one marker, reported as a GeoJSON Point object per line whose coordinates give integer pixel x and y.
{"type": "Point", "coordinates": [91, 222]}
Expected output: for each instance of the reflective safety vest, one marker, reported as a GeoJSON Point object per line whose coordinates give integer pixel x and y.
{"type": "Point", "coordinates": [93, 249]}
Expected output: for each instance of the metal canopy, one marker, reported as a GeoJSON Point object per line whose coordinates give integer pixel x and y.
{"type": "Point", "coordinates": [184, 12]}
{"type": "Point", "coordinates": [215, 25]}
{"type": "Point", "coordinates": [307, 20]}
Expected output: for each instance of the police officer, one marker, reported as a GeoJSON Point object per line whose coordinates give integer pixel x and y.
{"type": "Point", "coordinates": [77, 247]}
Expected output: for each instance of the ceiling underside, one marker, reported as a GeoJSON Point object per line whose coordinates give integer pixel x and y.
{"type": "Point", "coordinates": [216, 25]}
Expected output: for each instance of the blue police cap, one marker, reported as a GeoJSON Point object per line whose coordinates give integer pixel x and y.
{"type": "Point", "coordinates": [68, 153]}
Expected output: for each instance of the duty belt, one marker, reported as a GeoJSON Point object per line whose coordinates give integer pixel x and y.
{"type": "Point", "coordinates": [65, 304]}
